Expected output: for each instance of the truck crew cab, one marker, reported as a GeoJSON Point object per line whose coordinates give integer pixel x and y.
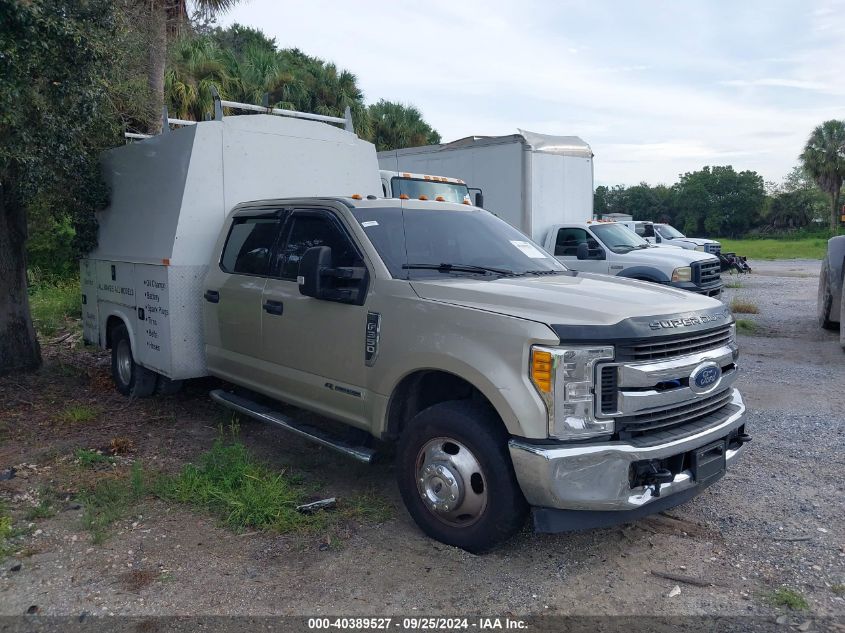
{"type": "Point", "coordinates": [668, 235]}
{"type": "Point", "coordinates": [508, 383]}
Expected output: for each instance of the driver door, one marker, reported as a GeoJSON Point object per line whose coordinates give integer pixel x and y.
{"type": "Point", "coordinates": [314, 349]}
{"type": "Point", "coordinates": [566, 250]}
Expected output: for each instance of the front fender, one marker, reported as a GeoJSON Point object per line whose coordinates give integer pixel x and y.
{"type": "Point", "coordinates": [648, 273]}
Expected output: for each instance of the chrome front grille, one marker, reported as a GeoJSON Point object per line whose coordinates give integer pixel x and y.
{"type": "Point", "coordinates": [707, 273]}
{"type": "Point", "coordinates": [675, 346]}
{"type": "Point", "coordinates": [673, 416]}
{"type": "Point", "coordinates": [713, 249]}
{"type": "Point", "coordinates": [648, 387]}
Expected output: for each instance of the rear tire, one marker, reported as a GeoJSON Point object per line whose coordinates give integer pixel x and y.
{"type": "Point", "coordinates": [456, 476]}
{"type": "Point", "coordinates": [129, 377]}
{"type": "Point", "coordinates": [825, 298]}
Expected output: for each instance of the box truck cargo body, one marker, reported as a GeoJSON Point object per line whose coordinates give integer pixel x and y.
{"type": "Point", "coordinates": [169, 198]}
{"type": "Point", "coordinates": [532, 181]}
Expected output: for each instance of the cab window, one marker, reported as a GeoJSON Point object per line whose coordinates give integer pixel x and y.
{"type": "Point", "coordinates": [568, 240]}
{"type": "Point", "coordinates": [313, 229]}
{"type": "Point", "coordinates": [249, 244]}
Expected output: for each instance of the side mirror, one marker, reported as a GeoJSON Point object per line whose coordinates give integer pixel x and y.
{"type": "Point", "coordinates": [479, 200]}
{"type": "Point", "coordinates": [311, 278]}
{"type": "Point", "coordinates": [317, 278]}
{"type": "Point", "coordinates": [583, 251]}
{"type": "Point", "coordinates": [657, 238]}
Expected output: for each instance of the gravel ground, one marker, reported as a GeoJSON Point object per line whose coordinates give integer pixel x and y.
{"type": "Point", "coordinates": [774, 521]}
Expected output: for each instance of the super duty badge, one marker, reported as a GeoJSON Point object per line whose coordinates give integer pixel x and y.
{"type": "Point", "coordinates": [700, 319]}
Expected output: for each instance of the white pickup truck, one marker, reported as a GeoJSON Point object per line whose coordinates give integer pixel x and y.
{"type": "Point", "coordinates": [668, 235]}
{"type": "Point", "coordinates": [610, 248]}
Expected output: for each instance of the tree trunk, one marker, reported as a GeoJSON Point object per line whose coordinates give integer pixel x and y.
{"type": "Point", "coordinates": [157, 62]}
{"type": "Point", "coordinates": [19, 350]}
{"type": "Point", "coordinates": [834, 209]}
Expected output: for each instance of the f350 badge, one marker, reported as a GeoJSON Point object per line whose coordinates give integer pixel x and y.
{"type": "Point", "coordinates": [371, 338]}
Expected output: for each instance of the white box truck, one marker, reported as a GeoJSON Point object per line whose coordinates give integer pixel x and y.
{"type": "Point", "coordinates": [543, 186]}
{"type": "Point", "coordinates": [530, 180]}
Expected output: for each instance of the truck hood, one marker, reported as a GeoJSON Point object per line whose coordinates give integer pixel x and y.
{"type": "Point", "coordinates": [698, 241]}
{"type": "Point", "coordinates": [669, 256]}
{"type": "Point", "coordinates": [573, 298]}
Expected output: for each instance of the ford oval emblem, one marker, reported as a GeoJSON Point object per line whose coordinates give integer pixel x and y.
{"type": "Point", "coordinates": [705, 377]}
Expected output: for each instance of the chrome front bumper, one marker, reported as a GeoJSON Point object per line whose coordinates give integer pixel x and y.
{"type": "Point", "coordinates": [596, 478]}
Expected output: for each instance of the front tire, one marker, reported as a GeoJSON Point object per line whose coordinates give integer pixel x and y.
{"type": "Point", "coordinates": [456, 477]}
{"type": "Point", "coordinates": [129, 377]}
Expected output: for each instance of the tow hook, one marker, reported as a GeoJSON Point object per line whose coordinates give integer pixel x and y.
{"type": "Point", "coordinates": [743, 438]}
{"type": "Point", "coordinates": [651, 474]}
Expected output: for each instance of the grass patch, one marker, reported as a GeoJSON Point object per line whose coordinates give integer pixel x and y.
{"type": "Point", "coordinates": [244, 493]}
{"type": "Point", "coordinates": [838, 589]}
{"type": "Point", "coordinates": [79, 414]}
{"type": "Point", "coordinates": [746, 326]}
{"type": "Point", "coordinates": [54, 305]}
{"type": "Point", "coordinates": [111, 500]}
{"type": "Point", "coordinates": [740, 306]}
{"type": "Point", "coordinates": [806, 248]}
{"type": "Point", "coordinates": [733, 284]}
{"type": "Point", "coordinates": [90, 458]}
{"type": "Point", "coordinates": [7, 533]}
{"type": "Point", "coordinates": [789, 598]}
{"type": "Point", "coordinates": [44, 509]}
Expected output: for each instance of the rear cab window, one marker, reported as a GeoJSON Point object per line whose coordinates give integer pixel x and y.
{"type": "Point", "coordinates": [249, 245]}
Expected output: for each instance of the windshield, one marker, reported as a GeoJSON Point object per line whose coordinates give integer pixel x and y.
{"type": "Point", "coordinates": [428, 243]}
{"type": "Point", "coordinates": [617, 237]}
{"type": "Point", "coordinates": [669, 232]}
{"type": "Point", "coordinates": [449, 191]}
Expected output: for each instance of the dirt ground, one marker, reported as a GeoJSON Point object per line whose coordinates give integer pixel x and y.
{"type": "Point", "coordinates": [775, 521]}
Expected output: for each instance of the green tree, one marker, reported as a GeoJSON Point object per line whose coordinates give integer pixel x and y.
{"type": "Point", "coordinates": [396, 126]}
{"type": "Point", "coordinates": [719, 201]}
{"type": "Point", "coordinates": [56, 115]}
{"type": "Point", "coordinates": [600, 206]}
{"type": "Point", "coordinates": [823, 158]}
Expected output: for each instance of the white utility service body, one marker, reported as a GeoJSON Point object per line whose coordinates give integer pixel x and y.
{"type": "Point", "coordinates": [411, 186]}
{"type": "Point", "coordinates": [170, 197]}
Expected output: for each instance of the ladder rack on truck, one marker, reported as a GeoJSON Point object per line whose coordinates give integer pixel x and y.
{"type": "Point", "coordinates": [219, 104]}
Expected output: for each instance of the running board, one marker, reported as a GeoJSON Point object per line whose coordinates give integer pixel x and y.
{"type": "Point", "coordinates": [266, 414]}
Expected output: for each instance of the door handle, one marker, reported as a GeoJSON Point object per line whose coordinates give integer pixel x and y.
{"type": "Point", "coordinates": [212, 296]}
{"type": "Point", "coordinates": [273, 307]}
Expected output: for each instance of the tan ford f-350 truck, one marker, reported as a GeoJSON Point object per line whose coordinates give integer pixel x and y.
{"type": "Point", "coordinates": [506, 380]}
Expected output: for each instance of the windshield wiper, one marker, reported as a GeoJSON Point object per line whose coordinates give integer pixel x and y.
{"type": "Point", "coordinates": [460, 268]}
{"type": "Point", "coordinates": [628, 246]}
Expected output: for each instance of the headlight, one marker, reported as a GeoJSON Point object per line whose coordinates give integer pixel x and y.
{"type": "Point", "coordinates": [684, 273]}
{"type": "Point", "coordinates": [565, 378]}
{"type": "Point", "coordinates": [699, 248]}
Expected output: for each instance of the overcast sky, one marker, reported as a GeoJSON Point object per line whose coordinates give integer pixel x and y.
{"type": "Point", "coordinates": [657, 88]}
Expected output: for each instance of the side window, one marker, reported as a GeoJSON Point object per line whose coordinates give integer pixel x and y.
{"type": "Point", "coordinates": [648, 230]}
{"type": "Point", "coordinates": [307, 231]}
{"type": "Point", "coordinates": [568, 240]}
{"type": "Point", "coordinates": [249, 245]}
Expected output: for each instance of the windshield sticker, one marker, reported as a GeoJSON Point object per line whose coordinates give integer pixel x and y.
{"type": "Point", "coordinates": [369, 223]}
{"type": "Point", "coordinates": [529, 249]}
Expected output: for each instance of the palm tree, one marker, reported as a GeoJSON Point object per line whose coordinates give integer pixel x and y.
{"type": "Point", "coordinates": [396, 126]}
{"type": "Point", "coordinates": [195, 65]}
{"type": "Point", "coordinates": [167, 17]}
{"type": "Point", "coordinates": [823, 158]}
